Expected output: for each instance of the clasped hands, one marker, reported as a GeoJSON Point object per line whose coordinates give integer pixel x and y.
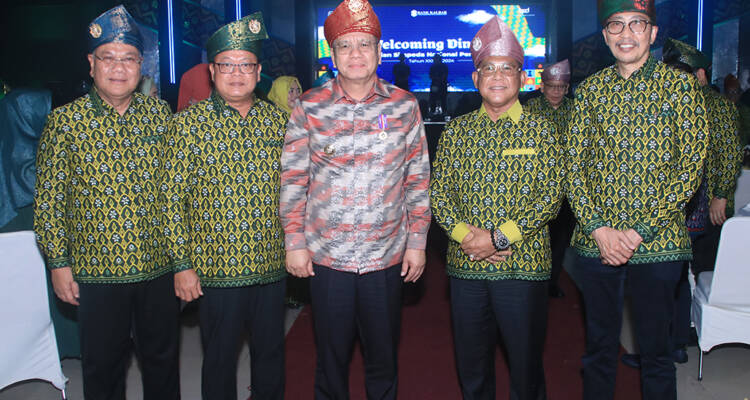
{"type": "Point", "coordinates": [616, 247]}
{"type": "Point", "coordinates": [477, 244]}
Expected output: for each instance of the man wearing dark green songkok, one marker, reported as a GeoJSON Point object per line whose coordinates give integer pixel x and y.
{"type": "Point", "coordinates": [496, 184]}
{"type": "Point", "coordinates": [221, 184]}
{"type": "Point", "coordinates": [558, 109]}
{"type": "Point", "coordinates": [97, 218]}
{"type": "Point", "coordinates": [636, 147]}
{"type": "Point", "coordinates": [714, 202]}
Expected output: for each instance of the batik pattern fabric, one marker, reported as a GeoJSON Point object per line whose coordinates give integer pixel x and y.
{"type": "Point", "coordinates": [504, 174]}
{"type": "Point", "coordinates": [559, 116]}
{"type": "Point", "coordinates": [724, 156]}
{"type": "Point", "coordinates": [356, 177]}
{"type": "Point", "coordinates": [221, 187]}
{"type": "Point", "coordinates": [636, 149]}
{"type": "Point", "coordinates": [96, 202]}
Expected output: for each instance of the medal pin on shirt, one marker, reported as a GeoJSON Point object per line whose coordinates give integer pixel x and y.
{"type": "Point", "coordinates": [383, 124]}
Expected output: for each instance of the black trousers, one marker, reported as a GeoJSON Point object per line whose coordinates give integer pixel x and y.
{"type": "Point", "coordinates": [107, 316]}
{"type": "Point", "coordinates": [343, 305]}
{"type": "Point", "coordinates": [561, 230]}
{"type": "Point", "coordinates": [652, 291]}
{"type": "Point", "coordinates": [519, 309]}
{"type": "Point", "coordinates": [225, 315]}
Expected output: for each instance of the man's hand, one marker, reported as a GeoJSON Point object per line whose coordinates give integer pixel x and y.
{"type": "Point", "coordinates": [299, 263]}
{"type": "Point", "coordinates": [499, 256]}
{"type": "Point", "coordinates": [478, 244]}
{"type": "Point", "coordinates": [65, 287]}
{"type": "Point", "coordinates": [717, 210]}
{"type": "Point", "coordinates": [413, 264]}
{"type": "Point", "coordinates": [187, 285]}
{"type": "Point", "coordinates": [615, 246]}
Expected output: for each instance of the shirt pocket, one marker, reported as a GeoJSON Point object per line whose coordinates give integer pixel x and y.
{"type": "Point", "coordinates": [522, 169]}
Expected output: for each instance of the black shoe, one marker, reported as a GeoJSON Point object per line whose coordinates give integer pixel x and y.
{"type": "Point", "coordinates": [680, 356]}
{"type": "Point", "coordinates": [631, 360]}
{"type": "Point", "coordinates": [555, 291]}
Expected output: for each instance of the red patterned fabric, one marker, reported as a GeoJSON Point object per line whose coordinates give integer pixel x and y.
{"type": "Point", "coordinates": [351, 16]}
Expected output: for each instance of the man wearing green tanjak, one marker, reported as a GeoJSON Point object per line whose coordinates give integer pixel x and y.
{"type": "Point", "coordinates": [636, 149]}
{"type": "Point", "coordinates": [221, 186]}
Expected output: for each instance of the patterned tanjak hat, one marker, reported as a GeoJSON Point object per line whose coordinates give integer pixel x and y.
{"type": "Point", "coordinates": [675, 50]}
{"type": "Point", "coordinates": [245, 34]}
{"type": "Point", "coordinates": [495, 39]}
{"type": "Point", "coordinates": [115, 25]}
{"type": "Point", "coordinates": [557, 72]}
{"type": "Point", "coordinates": [351, 16]}
{"type": "Point", "coordinates": [609, 7]}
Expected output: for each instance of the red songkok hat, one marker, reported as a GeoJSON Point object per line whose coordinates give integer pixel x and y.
{"type": "Point", "coordinates": [495, 39]}
{"type": "Point", "coordinates": [557, 72]}
{"type": "Point", "coordinates": [351, 16]}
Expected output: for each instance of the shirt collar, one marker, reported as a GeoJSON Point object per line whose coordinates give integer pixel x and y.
{"type": "Point", "coordinates": [514, 112]}
{"type": "Point", "coordinates": [377, 89]}
{"type": "Point", "coordinates": [101, 107]}
{"type": "Point", "coordinates": [644, 72]}
{"type": "Point", "coordinates": [220, 105]}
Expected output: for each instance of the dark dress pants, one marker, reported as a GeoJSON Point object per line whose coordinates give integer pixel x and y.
{"type": "Point", "coordinates": [113, 317]}
{"type": "Point", "coordinates": [560, 230]}
{"type": "Point", "coordinates": [652, 293]}
{"type": "Point", "coordinates": [225, 316]}
{"type": "Point", "coordinates": [519, 309]}
{"type": "Point", "coordinates": [346, 304]}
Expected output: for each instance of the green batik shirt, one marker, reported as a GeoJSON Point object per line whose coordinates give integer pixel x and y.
{"type": "Point", "coordinates": [504, 174]}
{"type": "Point", "coordinates": [724, 155]}
{"type": "Point", "coordinates": [96, 205]}
{"type": "Point", "coordinates": [559, 116]}
{"type": "Point", "coordinates": [221, 186]}
{"type": "Point", "coordinates": [636, 149]}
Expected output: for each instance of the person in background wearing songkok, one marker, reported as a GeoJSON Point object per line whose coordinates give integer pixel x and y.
{"type": "Point", "coordinates": [496, 184]}
{"type": "Point", "coordinates": [636, 146]}
{"type": "Point", "coordinates": [97, 218]}
{"type": "Point", "coordinates": [221, 184]}
{"type": "Point", "coordinates": [355, 205]}
{"type": "Point", "coordinates": [714, 201]}
{"type": "Point", "coordinates": [557, 108]}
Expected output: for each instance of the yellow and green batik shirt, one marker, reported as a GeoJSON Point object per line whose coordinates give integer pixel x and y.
{"type": "Point", "coordinates": [559, 116]}
{"type": "Point", "coordinates": [96, 205]}
{"type": "Point", "coordinates": [505, 174]}
{"type": "Point", "coordinates": [636, 149]}
{"type": "Point", "coordinates": [724, 155]}
{"type": "Point", "coordinates": [221, 186]}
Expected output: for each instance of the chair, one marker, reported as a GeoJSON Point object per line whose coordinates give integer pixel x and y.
{"type": "Point", "coordinates": [29, 347]}
{"type": "Point", "coordinates": [721, 301]}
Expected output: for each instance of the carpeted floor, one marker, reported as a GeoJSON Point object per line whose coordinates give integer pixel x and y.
{"type": "Point", "coordinates": [426, 362]}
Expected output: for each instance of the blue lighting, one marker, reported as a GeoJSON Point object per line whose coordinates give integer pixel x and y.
{"type": "Point", "coordinates": [699, 38]}
{"type": "Point", "coordinates": [238, 9]}
{"type": "Point", "coordinates": [170, 29]}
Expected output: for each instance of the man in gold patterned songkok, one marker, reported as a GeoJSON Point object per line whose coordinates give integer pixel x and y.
{"type": "Point", "coordinates": [98, 219]}
{"type": "Point", "coordinates": [221, 185]}
{"type": "Point", "coordinates": [496, 184]}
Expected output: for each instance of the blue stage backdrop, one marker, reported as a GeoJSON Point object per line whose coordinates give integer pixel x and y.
{"type": "Point", "coordinates": [422, 31]}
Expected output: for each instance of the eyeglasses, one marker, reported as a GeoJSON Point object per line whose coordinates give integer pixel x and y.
{"type": "Point", "coordinates": [636, 26]}
{"type": "Point", "coordinates": [245, 68]}
{"type": "Point", "coordinates": [127, 62]}
{"type": "Point", "coordinates": [344, 48]}
{"type": "Point", "coordinates": [505, 69]}
{"type": "Point", "coordinates": [559, 88]}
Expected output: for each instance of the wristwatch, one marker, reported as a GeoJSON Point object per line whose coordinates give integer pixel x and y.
{"type": "Point", "coordinates": [501, 241]}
